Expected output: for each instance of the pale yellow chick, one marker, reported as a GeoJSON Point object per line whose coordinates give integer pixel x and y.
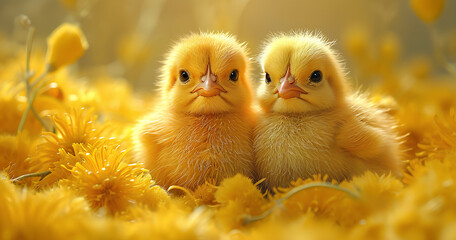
{"type": "Point", "coordinates": [311, 122]}
{"type": "Point", "coordinates": [201, 129]}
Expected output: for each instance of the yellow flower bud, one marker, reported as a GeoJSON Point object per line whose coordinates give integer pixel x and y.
{"type": "Point", "coordinates": [427, 10]}
{"type": "Point", "coordinates": [66, 45]}
{"type": "Point", "coordinates": [70, 4]}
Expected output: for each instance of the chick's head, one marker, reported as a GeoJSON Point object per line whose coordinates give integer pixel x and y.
{"type": "Point", "coordinates": [301, 74]}
{"type": "Point", "coordinates": [207, 73]}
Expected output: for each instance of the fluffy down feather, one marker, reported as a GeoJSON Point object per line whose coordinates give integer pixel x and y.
{"type": "Point", "coordinates": [313, 123]}
{"type": "Point", "coordinates": [198, 132]}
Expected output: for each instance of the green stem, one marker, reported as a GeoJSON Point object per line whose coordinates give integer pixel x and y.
{"type": "Point", "coordinates": [30, 99]}
{"type": "Point", "coordinates": [28, 49]}
{"type": "Point", "coordinates": [25, 176]}
{"type": "Point", "coordinates": [249, 219]}
{"type": "Point", "coordinates": [46, 128]}
{"type": "Point", "coordinates": [317, 184]}
{"type": "Point", "coordinates": [28, 86]}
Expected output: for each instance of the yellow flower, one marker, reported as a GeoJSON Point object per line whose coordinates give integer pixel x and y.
{"type": "Point", "coordinates": [304, 227]}
{"type": "Point", "coordinates": [61, 169]}
{"type": "Point", "coordinates": [437, 145]}
{"type": "Point", "coordinates": [70, 4]}
{"type": "Point", "coordinates": [52, 214]}
{"type": "Point", "coordinates": [426, 207]}
{"type": "Point", "coordinates": [318, 200]}
{"type": "Point", "coordinates": [240, 188]}
{"type": "Point", "coordinates": [175, 223]}
{"type": "Point", "coordinates": [238, 197]}
{"type": "Point", "coordinates": [14, 151]}
{"type": "Point", "coordinates": [154, 197]}
{"type": "Point", "coordinates": [205, 194]}
{"type": "Point", "coordinates": [12, 114]}
{"type": "Point", "coordinates": [374, 191]}
{"type": "Point", "coordinates": [107, 181]}
{"type": "Point", "coordinates": [66, 45]}
{"type": "Point", "coordinates": [12, 111]}
{"type": "Point", "coordinates": [77, 127]}
{"type": "Point", "coordinates": [427, 10]}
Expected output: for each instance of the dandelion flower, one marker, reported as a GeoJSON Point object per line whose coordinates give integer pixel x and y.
{"type": "Point", "coordinates": [14, 151]}
{"type": "Point", "coordinates": [238, 187]}
{"type": "Point", "coordinates": [176, 223]}
{"type": "Point", "coordinates": [438, 145]}
{"type": "Point", "coordinates": [154, 197]}
{"type": "Point", "coordinates": [205, 194]}
{"type": "Point", "coordinates": [107, 181]}
{"type": "Point", "coordinates": [318, 200]}
{"type": "Point", "coordinates": [426, 207]}
{"type": "Point", "coordinates": [51, 214]}
{"type": "Point", "coordinates": [374, 191]}
{"type": "Point", "coordinates": [77, 127]}
{"type": "Point", "coordinates": [66, 45]}
{"type": "Point", "coordinates": [61, 169]}
{"type": "Point", "coordinates": [305, 227]}
{"type": "Point", "coordinates": [238, 197]}
{"type": "Point", "coordinates": [12, 111]}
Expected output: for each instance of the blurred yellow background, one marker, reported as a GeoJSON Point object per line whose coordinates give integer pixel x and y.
{"type": "Point", "coordinates": [56, 115]}
{"type": "Point", "coordinates": [129, 38]}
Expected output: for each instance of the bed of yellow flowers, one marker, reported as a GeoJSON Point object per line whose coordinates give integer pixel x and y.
{"type": "Point", "coordinates": [67, 173]}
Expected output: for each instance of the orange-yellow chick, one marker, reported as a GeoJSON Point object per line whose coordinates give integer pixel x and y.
{"type": "Point", "coordinates": [202, 127]}
{"type": "Point", "coordinates": [311, 122]}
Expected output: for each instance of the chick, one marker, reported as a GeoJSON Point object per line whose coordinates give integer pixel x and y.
{"type": "Point", "coordinates": [202, 127]}
{"type": "Point", "coordinates": [311, 122]}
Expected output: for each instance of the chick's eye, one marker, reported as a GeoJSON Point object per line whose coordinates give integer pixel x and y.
{"type": "Point", "coordinates": [267, 78]}
{"type": "Point", "coordinates": [184, 76]}
{"type": "Point", "coordinates": [234, 75]}
{"type": "Point", "coordinates": [316, 76]}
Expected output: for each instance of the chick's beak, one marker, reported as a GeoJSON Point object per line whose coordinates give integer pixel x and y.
{"type": "Point", "coordinates": [208, 86]}
{"type": "Point", "coordinates": [288, 88]}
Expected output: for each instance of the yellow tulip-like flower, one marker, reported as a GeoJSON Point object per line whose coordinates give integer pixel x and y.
{"type": "Point", "coordinates": [427, 10]}
{"type": "Point", "coordinates": [66, 45]}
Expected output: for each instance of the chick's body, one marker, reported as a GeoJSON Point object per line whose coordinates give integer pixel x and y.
{"type": "Point", "coordinates": [202, 128]}
{"type": "Point", "coordinates": [311, 123]}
